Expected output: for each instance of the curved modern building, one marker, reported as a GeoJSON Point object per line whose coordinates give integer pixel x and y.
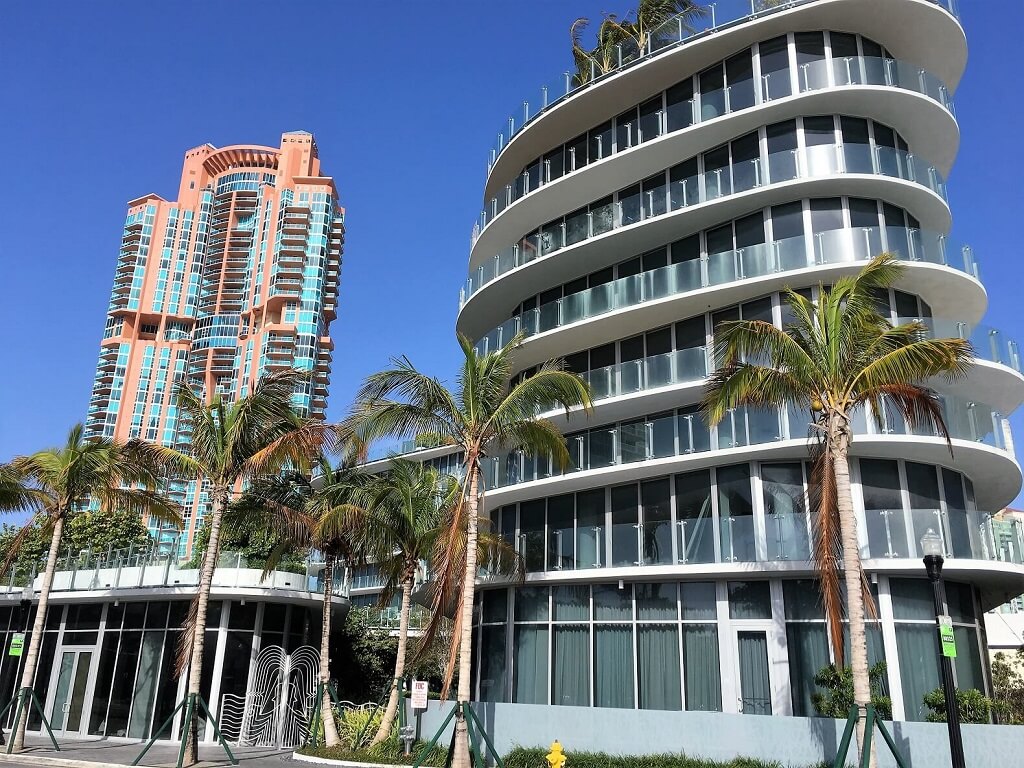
{"type": "Point", "coordinates": [623, 220]}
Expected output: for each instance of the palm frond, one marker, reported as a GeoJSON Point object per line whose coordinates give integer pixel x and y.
{"type": "Point", "coordinates": [916, 362]}
{"type": "Point", "coordinates": [734, 386]}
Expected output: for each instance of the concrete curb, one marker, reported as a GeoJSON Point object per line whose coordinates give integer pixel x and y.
{"type": "Point", "coordinates": [54, 762]}
{"type": "Point", "coordinates": [343, 763]}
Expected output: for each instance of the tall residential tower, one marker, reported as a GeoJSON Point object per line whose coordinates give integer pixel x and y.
{"type": "Point", "coordinates": [633, 208]}
{"type": "Point", "coordinates": [236, 278]}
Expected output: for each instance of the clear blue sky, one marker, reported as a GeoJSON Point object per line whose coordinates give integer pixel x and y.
{"type": "Point", "coordinates": [100, 100]}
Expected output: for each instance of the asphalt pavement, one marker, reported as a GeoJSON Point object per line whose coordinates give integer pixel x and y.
{"type": "Point", "coordinates": [100, 753]}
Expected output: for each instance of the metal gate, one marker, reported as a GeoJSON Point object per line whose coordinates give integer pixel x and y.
{"type": "Point", "coordinates": [276, 709]}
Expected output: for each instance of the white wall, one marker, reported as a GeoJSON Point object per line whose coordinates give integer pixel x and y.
{"type": "Point", "coordinates": [792, 741]}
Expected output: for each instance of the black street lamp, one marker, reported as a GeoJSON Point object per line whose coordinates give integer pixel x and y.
{"type": "Point", "coordinates": [931, 546]}
{"type": "Point", "coordinates": [12, 662]}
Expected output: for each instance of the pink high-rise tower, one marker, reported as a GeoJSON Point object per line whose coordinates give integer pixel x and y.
{"type": "Point", "coordinates": [236, 278]}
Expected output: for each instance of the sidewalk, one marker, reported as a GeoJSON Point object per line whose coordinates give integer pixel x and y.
{"type": "Point", "coordinates": [95, 753]}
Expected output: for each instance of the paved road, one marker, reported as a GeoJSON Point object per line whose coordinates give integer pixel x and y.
{"type": "Point", "coordinates": [77, 753]}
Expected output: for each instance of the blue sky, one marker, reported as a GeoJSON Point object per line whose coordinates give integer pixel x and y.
{"type": "Point", "coordinates": [101, 100]}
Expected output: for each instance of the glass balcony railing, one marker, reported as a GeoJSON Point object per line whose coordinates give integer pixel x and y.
{"type": "Point", "coordinates": [989, 343]}
{"type": "Point", "coordinates": [143, 568]}
{"type": "Point", "coordinates": [674, 32]}
{"type": "Point", "coordinates": [684, 432]}
{"type": "Point", "coordinates": [833, 247]}
{"type": "Point", "coordinates": [663, 370]}
{"type": "Point", "coordinates": [812, 76]}
{"type": "Point", "coordinates": [965, 534]}
{"type": "Point", "coordinates": [678, 193]}
{"type": "Point", "coordinates": [736, 537]}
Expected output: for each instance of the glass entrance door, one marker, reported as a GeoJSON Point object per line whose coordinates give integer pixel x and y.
{"type": "Point", "coordinates": [69, 692]}
{"type": "Point", "coordinates": [752, 664]}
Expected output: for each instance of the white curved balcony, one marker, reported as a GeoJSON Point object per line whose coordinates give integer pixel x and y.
{"type": "Point", "coordinates": [904, 97]}
{"type": "Point", "coordinates": [646, 216]}
{"type": "Point", "coordinates": [666, 380]}
{"type": "Point", "coordinates": [680, 440]}
{"type": "Point", "coordinates": [777, 541]}
{"type": "Point", "coordinates": [568, 107]}
{"type": "Point", "coordinates": [657, 296]}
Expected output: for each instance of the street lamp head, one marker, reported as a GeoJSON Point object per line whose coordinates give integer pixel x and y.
{"type": "Point", "coordinates": [931, 544]}
{"type": "Point", "coordinates": [931, 548]}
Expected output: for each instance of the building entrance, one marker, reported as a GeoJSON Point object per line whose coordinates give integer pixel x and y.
{"type": "Point", "coordinates": [70, 691]}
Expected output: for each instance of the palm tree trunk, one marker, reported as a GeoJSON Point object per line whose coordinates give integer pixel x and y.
{"type": "Point", "coordinates": [839, 436]}
{"type": "Point", "coordinates": [331, 737]}
{"type": "Point", "coordinates": [222, 496]}
{"type": "Point", "coordinates": [461, 757]}
{"type": "Point", "coordinates": [32, 659]}
{"type": "Point", "coordinates": [403, 640]}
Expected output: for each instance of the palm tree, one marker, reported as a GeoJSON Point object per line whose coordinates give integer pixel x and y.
{"type": "Point", "coordinates": [407, 506]}
{"type": "Point", "coordinates": [318, 514]}
{"type": "Point", "coordinates": [487, 412]}
{"type": "Point", "coordinates": [652, 15]}
{"type": "Point", "coordinates": [232, 443]}
{"type": "Point", "coordinates": [837, 356]}
{"type": "Point", "coordinates": [57, 483]}
{"type": "Point", "coordinates": [638, 27]}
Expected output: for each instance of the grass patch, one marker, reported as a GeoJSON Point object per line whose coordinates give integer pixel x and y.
{"type": "Point", "coordinates": [390, 752]}
{"type": "Point", "coordinates": [532, 757]}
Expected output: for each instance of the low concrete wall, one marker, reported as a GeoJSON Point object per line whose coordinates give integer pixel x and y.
{"type": "Point", "coordinates": [792, 741]}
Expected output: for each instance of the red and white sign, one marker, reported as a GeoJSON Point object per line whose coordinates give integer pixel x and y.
{"type": "Point", "coordinates": [419, 694]}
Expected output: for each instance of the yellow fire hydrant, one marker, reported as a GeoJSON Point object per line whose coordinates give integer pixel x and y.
{"type": "Point", "coordinates": [555, 758]}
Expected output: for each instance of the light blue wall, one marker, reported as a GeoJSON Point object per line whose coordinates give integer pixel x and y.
{"type": "Point", "coordinates": [792, 741]}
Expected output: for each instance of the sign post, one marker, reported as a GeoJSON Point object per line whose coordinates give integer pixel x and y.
{"type": "Point", "coordinates": [420, 688]}
{"type": "Point", "coordinates": [946, 637]}
{"type": "Point", "coordinates": [17, 644]}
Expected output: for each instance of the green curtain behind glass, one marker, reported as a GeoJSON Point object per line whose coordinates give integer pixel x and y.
{"type": "Point", "coordinates": [755, 689]}
{"type": "Point", "coordinates": [703, 680]}
{"type": "Point", "coordinates": [571, 665]}
{"type": "Point", "coordinates": [808, 653]}
{"type": "Point", "coordinates": [968, 659]}
{"type": "Point", "coordinates": [492, 664]}
{"type": "Point", "coordinates": [918, 648]}
{"type": "Point", "coordinates": [613, 666]}
{"type": "Point", "coordinates": [531, 665]}
{"type": "Point", "coordinates": [658, 646]}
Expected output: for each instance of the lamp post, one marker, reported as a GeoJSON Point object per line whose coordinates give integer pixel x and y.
{"type": "Point", "coordinates": [12, 662]}
{"type": "Point", "coordinates": [931, 547]}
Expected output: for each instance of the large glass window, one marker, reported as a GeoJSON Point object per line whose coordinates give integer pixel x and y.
{"type": "Point", "coordinates": [883, 508]}
{"type": "Point", "coordinates": [736, 513]}
{"type": "Point", "coordinates": [656, 531]}
{"type": "Point", "coordinates": [695, 518]}
{"type": "Point", "coordinates": [806, 641]}
{"type": "Point", "coordinates": [786, 530]}
{"type": "Point", "coordinates": [625, 526]}
{"type": "Point", "coordinates": [775, 77]}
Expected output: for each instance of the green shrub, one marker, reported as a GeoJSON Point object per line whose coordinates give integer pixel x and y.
{"type": "Point", "coordinates": [533, 757]}
{"type": "Point", "coordinates": [389, 752]}
{"type": "Point", "coordinates": [837, 699]}
{"type": "Point", "coordinates": [974, 706]}
{"type": "Point", "coordinates": [357, 727]}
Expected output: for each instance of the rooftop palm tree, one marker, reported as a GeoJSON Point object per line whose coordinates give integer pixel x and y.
{"type": "Point", "coordinates": [231, 443]}
{"type": "Point", "coordinates": [837, 356]}
{"type": "Point", "coordinates": [57, 483]}
{"type": "Point", "coordinates": [638, 27]}
{"type": "Point", "coordinates": [320, 514]}
{"type": "Point", "coordinates": [487, 412]}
